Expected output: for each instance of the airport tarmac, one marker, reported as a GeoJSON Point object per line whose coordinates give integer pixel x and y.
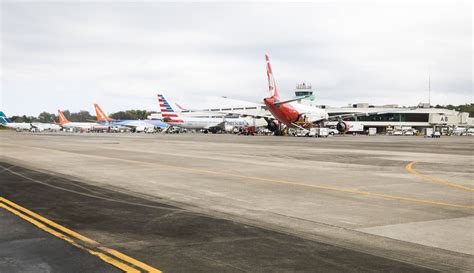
{"type": "Point", "coordinates": [225, 203]}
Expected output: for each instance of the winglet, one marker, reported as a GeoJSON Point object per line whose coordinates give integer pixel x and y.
{"type": "Point", "coordinates": [62, 118]}
{"type": "Point", "coordinates": [180, 107]}
{"type": "Point", "coordinates": [271, 80]}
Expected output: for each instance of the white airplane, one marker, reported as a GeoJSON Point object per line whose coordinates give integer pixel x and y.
{"type": "Point", "coordinates": [34, 126]}
{"type": "Point", "coordinates": [88, 126]}
{"type": "Point", "coordinates": [208, 122]}
{"type": "Point", "coordinates": [19, 126]}
{"type": "Point", "coordinates": [45, 127]}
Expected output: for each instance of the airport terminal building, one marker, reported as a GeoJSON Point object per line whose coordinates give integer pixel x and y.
{"type": "Point", "coordinates": [388, 116]}
{"type": "Point", "coordinates": [392, 116]}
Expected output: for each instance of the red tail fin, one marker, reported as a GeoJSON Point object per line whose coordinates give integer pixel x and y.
{"type": "Point", "coordinates": [62, 118]}
{"type": "Point", "coordinates": [271, 80]}
{"type": "Point", "coordinates": [101, 115]}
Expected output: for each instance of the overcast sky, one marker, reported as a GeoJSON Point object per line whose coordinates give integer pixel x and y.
{"type": "Point", "coordinates": [68, 56]}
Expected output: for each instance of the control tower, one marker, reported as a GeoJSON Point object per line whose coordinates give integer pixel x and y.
{"type": "Point", "coordinates": [304, 89]}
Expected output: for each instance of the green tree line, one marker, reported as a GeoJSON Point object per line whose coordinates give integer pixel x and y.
{"type": "Point", "coordinates": [468, 108]}
{"type": "Point", "coordinates": [81, 116]}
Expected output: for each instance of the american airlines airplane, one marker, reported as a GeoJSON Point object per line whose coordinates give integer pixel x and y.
{"type": "Point", "coordinates": [136, 125]}
{"type": "Point", "coordinates": [209, 122]}
{"type": "Point", "coordinates": [65, 123]}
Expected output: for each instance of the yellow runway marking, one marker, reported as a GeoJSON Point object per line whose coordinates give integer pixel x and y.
{"type": "Point", "coordinates": [130, 260]}
{"type": "Point", "coordinates": [209, 172]}
{"type": "Point", "coordinates": [51, 223]}
{"type": "Point", "coordinates": [409, 168]}
{"type": "Point", "coordinates": [102, 256]}
{"type": "Point", "coordinates": [353, 191]}
{"type": "Point", "coordinates": [43, 223]}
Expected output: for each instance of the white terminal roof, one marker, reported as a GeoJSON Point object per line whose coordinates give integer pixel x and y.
{"type": "Point", "coordinates": [388, 110]}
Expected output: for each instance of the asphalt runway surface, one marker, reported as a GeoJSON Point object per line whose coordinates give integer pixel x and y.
{"type": "Point", "coordinates": [27, 249]}
{"type": "Point", "coordinates": [221, 203]}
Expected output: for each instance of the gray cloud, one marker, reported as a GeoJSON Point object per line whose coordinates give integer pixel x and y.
{"type": "Point", "coordinates": [121, 54]}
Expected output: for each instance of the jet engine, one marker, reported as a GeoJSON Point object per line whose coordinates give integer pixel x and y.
{"type": "Point", "coordinates": [272, 125]}
{"type": "Point", "coordinates": [342, 127]}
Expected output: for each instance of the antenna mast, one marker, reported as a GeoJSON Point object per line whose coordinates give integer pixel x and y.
{"type": "Point", "coordinates": [429, 86]}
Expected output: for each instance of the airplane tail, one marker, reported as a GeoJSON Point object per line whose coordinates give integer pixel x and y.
{"type": "Point", "coordinates": [271, 80]}
{"type": "Point", "coordinates": [180, 107]}
{"type": "Point", "coordinates": [166, 110]}
{"type": "Point", "coordinates": [4, 119]}
{"type": "Point", "coordinates": [62, 118]}
{"type": "Point", "coordinates": [101, 115]}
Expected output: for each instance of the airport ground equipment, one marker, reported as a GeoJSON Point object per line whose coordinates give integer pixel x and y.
{"type": "Point", "coordinates": [372, 131]}
{"type": "Point", "coordinates": [322, 132]}
{"type": "Point", "coordinates": [428, 132]}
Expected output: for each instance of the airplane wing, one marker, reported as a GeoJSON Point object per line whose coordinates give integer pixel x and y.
{"type": "Point", "coordinates": [133, 124]}
{"type": "Point", "coordinates": [220, 126]}
{"type": "Point", "coordinates": [291, 100]}
{"type": "Point", "coordinates": [244, 115]}
{"type": "Point", "coordinates": [350, 115]}
{"type": "Point", "coordinates": [128, 124]}
{"type": "Point", "coordinates": [238, 113]}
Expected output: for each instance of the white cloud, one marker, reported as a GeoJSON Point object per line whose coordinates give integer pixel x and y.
{"type": "Point", "coordinates": [120, 54]}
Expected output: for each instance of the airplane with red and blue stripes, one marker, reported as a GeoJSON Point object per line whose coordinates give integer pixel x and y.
{"type": "Point", "coordinates": [208, 122]}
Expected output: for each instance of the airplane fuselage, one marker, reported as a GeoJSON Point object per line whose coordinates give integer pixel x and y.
{"type": "Point", "coordinates": [292, 113]}
{"type": "Point", "coordinates": [84, 125]}
{"type": "Point", "coordinates": [198, 123]}
{"type": "Point", "coordinates": [46, 126]}
{"type": "Point", "coordinates": [137, 123]}
{"type": "Point", "coordinates": [18, 126]}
